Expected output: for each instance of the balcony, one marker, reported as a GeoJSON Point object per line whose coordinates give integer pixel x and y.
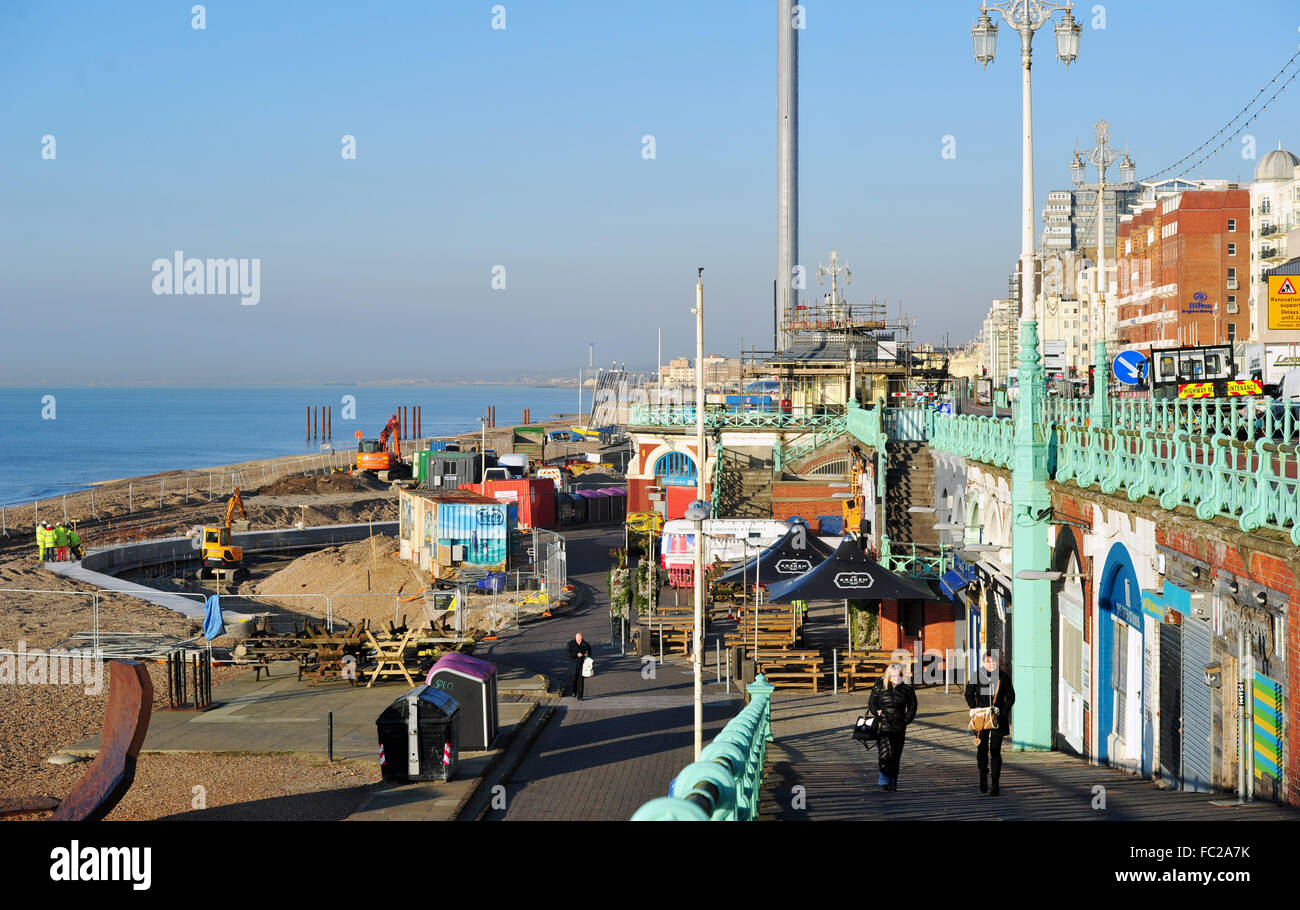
{"type": "Point", "coordinates": [1232, 284]}
{"type": "Point", "coordinates": [1268, 230]}
{"type": "Point", "coordinates": [1269, 252]}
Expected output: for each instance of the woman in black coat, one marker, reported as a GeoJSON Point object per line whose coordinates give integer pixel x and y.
{"type": "Point", "coordinates": [894, 702]}
{"type": "Point", "coordinates": [994, 692]}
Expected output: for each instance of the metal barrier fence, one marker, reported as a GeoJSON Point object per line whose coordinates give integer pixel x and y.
{"type": "Point", "coordinates": [550, 562]}
{"type": "Point", "coordinates": [724, 785]}
{"type": "Point", "coordinates": [144, 497]}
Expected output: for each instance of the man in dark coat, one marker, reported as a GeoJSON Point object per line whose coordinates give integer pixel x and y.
{"type": "Point", "coordinates": [894, 702]}
{"type": "Point", "coordinates": [992, 689]}
{"type": "Point", "coordinates": [579, 651]}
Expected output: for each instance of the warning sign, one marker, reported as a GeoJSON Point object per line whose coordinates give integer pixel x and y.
{"type": "Point", "coordinates": [1196, 390]}
{"type": "Point", "coordinates": [1283, 302]}
{"type": "Point", "coordinates": [1244, 387]}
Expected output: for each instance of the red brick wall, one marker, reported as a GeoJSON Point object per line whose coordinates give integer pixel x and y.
{"type": "Point", "coordinates": [807, 500]}
{"type": "Point", "coordinates": [1278, 574]}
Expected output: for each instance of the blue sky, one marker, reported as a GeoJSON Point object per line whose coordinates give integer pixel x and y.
{"type": "Point", "coordinates": [522, 148]}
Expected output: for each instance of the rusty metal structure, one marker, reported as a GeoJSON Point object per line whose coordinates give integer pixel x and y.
{"type": "Point", "coordinates": [126, 721]}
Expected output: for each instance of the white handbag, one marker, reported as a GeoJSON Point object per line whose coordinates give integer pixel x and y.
{"type": "Point", "coordinates": [588, 667]}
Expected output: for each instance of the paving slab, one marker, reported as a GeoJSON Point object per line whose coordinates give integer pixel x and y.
{"type": "Point", "coordinates": [938, 780]}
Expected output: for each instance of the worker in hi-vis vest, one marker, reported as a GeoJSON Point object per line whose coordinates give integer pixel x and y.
{"type": "Point", "coordinates": [74, 543]}
{"type": "Point", "coordinates": [61, 541]}
{"type": "Point", "coordinates": [40, 541]}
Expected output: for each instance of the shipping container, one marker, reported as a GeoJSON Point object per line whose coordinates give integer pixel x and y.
{"type": "Point", "coordinates": [534, 496]}
{"type": "Point", "coordinates": [440, 531]}
{"type": "Point", "coordinates": [450, 470]}
{"type": "Point", "coordinates": [529, 441]}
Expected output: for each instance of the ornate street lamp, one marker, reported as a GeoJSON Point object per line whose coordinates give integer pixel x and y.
{"type": "Point", "coordinates": [1030, 498]}
{"type": "Point", "coordinates": [1103, 156]}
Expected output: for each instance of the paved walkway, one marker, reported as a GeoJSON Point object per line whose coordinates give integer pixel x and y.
{"type": "Point", "coordinates": [603, 757]}
{"type": "Point", "coordinates": [938, 779]}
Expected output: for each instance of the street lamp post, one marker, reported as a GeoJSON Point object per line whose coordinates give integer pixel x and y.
{"type": "Point", "coordinates": [1031, 501]}
{"type": "Point", "coordinates": [1103, 156]}
{"type": "Point", "coordinates": [698, 511]}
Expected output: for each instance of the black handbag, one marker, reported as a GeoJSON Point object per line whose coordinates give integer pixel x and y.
{"type": "Point", "coordinates": [867, 729]}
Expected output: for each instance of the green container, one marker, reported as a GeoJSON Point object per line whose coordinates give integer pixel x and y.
{"type": "Point", "coordinates": [422, 465]}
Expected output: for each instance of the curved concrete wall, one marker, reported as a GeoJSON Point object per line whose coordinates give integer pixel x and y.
{"type": "Point", "coordinates": [120, 558]}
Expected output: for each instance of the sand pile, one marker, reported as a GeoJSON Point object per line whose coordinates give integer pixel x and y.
{"type": "Point", "coordinates": [320, 483]}
{"type": "Point", "coordinates": [365, 567]}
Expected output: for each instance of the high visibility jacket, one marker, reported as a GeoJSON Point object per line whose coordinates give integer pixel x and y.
{"type": "Point", "coordinates": [40, 538]}
{"type": "Point", "coordinates": [60, 536]}
{"type": "Point", "coordinates": [74, 539]}
{"type": "Point", "coordinates": [47, 534]}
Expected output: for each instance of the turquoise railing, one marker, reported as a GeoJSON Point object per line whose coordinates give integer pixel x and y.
{"type": "Point", "coordinates": [1235, 458]}
{"type": "Point", "coordinates": [724, 785]}
{"type": "Point", "coordinates": [905, 559]}
{"type": "Point", "coordinates": [821, 435]}
{"type": "Point", "coordinates": [724, 418]}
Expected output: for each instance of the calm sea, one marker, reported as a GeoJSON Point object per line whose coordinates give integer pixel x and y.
{"type": "Point", "coordinates": [54, 445]}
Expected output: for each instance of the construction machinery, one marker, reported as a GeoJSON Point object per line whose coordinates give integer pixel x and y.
{"type": "Point", "coordinates": [851, 509]}
{"type": "Point", "coordinates": [222, 560]}
{"type": "Point", "coordinates": [383, 456]}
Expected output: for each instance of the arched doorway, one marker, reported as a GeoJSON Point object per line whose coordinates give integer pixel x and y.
{"type": "Point", "coordinates": [675, 469]}
{"type": "Point", "coordinates": [1119, 663]}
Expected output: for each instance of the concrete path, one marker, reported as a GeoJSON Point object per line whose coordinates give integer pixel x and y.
{"type": "Point", "coordinates": [603, 757]}
{"type": "Point", "coordinates": [189, 607]}
{"type": "Point", "coordinates": [938, 779]}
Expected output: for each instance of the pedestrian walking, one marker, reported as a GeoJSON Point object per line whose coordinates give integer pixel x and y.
{"type": "Point", "coordinates": [991, 693]}
{"type": "Point", "coordinates": [894, 702]}
{"type": "Point", "coordinates": [579, 651]}
{"type": "Point", "coordinates": [61, 541]}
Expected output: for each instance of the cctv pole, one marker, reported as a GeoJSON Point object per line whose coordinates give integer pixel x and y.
{"type": "Point", "coordinates": [699, 525]}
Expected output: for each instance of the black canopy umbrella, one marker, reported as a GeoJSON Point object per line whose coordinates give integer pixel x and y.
{"type": "Point", "coordinates": [848, 574]}
{"type": "Point", "coordinates": [784, 559]}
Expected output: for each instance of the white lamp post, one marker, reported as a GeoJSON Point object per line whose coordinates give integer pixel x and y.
{"type": "Point", "coordinates": [1031, 500]}
{"type": "Point", "coordinates": [698, 511]}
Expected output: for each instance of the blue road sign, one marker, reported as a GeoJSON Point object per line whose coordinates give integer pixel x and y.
{"type": "Point", "coordinates": [1130, 367]}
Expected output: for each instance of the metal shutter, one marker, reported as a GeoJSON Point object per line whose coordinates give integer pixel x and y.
{"type": "Point", "coordinates": [1119, 677]}
{"type": "Point", "coordinates": [1196, 705]}
{"type": "Point", "coordinates": [1171, 702]}
{"type": "Point", "coordinates": [1073, 647]}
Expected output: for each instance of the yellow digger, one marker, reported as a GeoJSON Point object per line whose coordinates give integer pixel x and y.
{"type": "Point", "coordinates": [220, 559]}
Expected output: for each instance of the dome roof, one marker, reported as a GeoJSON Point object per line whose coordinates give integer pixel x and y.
{"type": "Point", "coordinates": [1278, 164]}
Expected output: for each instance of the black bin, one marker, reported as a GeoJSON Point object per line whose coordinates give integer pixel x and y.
{"type": "Point", "coordinates": [418, 736]}
{"type": "Point", "coordinates": [473, 683]}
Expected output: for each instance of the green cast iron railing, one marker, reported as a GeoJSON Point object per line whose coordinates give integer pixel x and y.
{"type": "Point", "coordinates": [722, 418]}
{"type": "Point", "coordinates": [724, 785]}
{"type": "Point", "coordinates": [1232, 457]}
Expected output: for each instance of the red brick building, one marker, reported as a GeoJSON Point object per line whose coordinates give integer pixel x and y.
{"type": "Point", "coordinates": [1184, 270]}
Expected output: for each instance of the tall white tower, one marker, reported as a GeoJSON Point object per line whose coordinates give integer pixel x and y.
{"type": "Point", "coordinates": [787, 166]}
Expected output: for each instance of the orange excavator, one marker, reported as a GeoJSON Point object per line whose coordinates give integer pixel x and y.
{"type": "Point", "coordinates": [383, 456]}
{"type": "Point", "coordinates": [220, 559]}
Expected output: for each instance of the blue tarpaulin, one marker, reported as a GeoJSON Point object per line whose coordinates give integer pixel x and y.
{"type": "Point", "coordinates": [213, 627]}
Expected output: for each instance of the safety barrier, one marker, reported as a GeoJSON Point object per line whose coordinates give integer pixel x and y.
{"type": "Point", "coordinates": [724, 785]}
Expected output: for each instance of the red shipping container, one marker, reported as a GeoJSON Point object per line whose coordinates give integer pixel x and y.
{"type": "Point", "coordinates": [535, 497]}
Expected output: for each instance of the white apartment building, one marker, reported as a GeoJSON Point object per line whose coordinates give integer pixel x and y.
{"type": "Point", "coordinates": [1274, 219]}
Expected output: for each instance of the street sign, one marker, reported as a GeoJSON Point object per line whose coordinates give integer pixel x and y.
{"type": "Point", "coordinates": [1130, 367]}
{"type": "Point", "coordinates": [1283, 302]}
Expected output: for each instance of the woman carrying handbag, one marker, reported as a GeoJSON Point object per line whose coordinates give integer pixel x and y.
{"type": "Point", "coordinates": [894, 703]}
{"type": "Point", "coordinates": [990, 704]}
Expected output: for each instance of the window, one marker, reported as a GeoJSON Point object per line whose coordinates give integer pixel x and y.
{"type": "Point", "coordinates": [1232, 332]}
{"type": "Point", "coordinates": [1232, 225]}
{"type": "Point", "coordinates": [1232, 274]}
{"type": "Point", "coordinates": [1232, 249]}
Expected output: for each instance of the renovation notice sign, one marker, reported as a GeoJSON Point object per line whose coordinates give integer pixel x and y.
{"type": "Point", "coordinates": [1283, 302]}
